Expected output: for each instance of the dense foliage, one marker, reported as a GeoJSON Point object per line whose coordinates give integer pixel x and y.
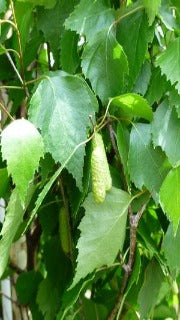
{"type": "Point", "coordinates": [90, 155]}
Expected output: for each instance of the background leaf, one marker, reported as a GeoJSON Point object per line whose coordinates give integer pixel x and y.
{"type": "Point", "coordinates": [45, 3]}
{"type": "Point", "coordinates": [102, 232]}
{"type": "Point", "coordinates": [147, 166]}
{"type": "Point", "coordinates": [134, 34]}
{"type": "Point", "coordinates": [169, 62]}
{"type": "Point", "coordinates": [22, 148]}
{"type": "Point", "coordinates": [89, 17]}
{"type": "Point", "coordinates": [165, 129]}
{"type": "Point", "coordinates": [171, 246]}
{"type": "Point", "coordinates": [69, 58]}
{"type": "Point", "coordinates": [105, 64]}
{"type": "Point", "coordinates": [57, 108]}
{"type": "Point", "coordinates": [13, 219]}
{"type": "Point", "coordinates": [151, 7]}
{"type": "Point", "coordinates": [170, 196]}
{"type": "Point", "coordinates": [149, 292]}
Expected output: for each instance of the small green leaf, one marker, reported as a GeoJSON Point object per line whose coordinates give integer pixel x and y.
{"type": "Point", "coordinates": [102, 232]}
{"type": "Point", "coordinates": [105, 64]}
{"type": "Point", "coordinates": [169, 62]}
{"type": "Point", "coordinates": [132, 105]}
{"type": "Point", "coordinates": [148, 294]}
{"type": "Point", "coordinates": [167, 135]}
{"type": "Point", "coordinates": [148, 166]}
{"type": "Point", "coordinates": [89, 17]}
{"type": "Point", "coordinates": [22, 148]}
{"type": "Point", "coordinates": [143, 79]}
{"type": "Point", "coordinates": [151, 7]}
{"type": "Point", "coordinates": [170, 196]}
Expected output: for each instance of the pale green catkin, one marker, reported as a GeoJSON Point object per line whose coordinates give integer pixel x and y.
{"type": "Point", "coordinates": [101, 178]}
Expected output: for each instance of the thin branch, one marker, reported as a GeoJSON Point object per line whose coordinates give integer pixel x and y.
{"type": "Point", "coordinates": [20, 49]}
{"type": "Point", "coordinates": [5, 111]}
{"type": "Point", "coordinates": [14, 67]}
{"type": "Point", "coordinates": [11, 87]}
{"type": "Point", "coordinates": [9, 298]}
{"type": "Point", "coordinates": [127, 14]}
{"type": "Point", "coordinates": [134, 221]}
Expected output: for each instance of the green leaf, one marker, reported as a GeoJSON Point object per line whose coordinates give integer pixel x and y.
{"type": "Point", "coordinates": [102, 232]}
{"type": "Point", "coordinates": [170, 196]}
{"type": "Point", "coordinates": [151, 7]}
{"type": "Point", "coordinates": [45, 3]}
{"type": "Point", "coordinates": [143, 79]}
{"type": "Point", "coordinates": [89, 17]}
{"type": "Point", "coordinates": [24, 17]}
{"type": "Point", "coordinates": [28, 280]}
{"type": "Point", "coordinates": [22, 148]}
{"type": "Point", "coordinates": [60, 107]}
{"type": "Point", "coordinates": [133, 33]}
{"type": "Point", "coordinates": [174, 100]}
{"type": "Point", "coordinates": [171, 245]}
{"type": "Point", "coordinates": [69, 57]}
{"type": "Point", "coordinates": [148, 294]}
{"type": "Point", "coordinates": [169, 62]}
{"type": "Point", "coordinates": [105, 64]}
{"type": "Point", "coordinates": [167, 135]}
{"type": "Point", "coordinates": [13, 219]}
{"type": "Point", "coordinates": [132, 105]}
{"type": "Point", "coordinates": [123, 146]}
{"type": "Point", "coordinates": [50, 22]}
{"type": "Point", "coordinates": [147, 166]}
{"type": "Point", "coordinates": [70, 297]}
{"type": "Point", "coordinates": [4, 182]}
{"type": "Point", "coordinates": [158, 86]}
{"type": "Point", "coordinates": [48, 299]}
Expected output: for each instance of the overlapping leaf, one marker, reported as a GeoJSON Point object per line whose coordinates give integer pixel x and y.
{"type": "Point", "coordinates": [148, 166]}
{"type": "Point", "coordinates": [102, 232]}
{"type": "Point", "coordinates": [89, 17]}
{"type": "Point", "coordinates": [166, 131]}
{"type": "Point", "coordinates": [170, 196]}
{"type": "Point", "coordinates": [133, 33]}
{"type": "Point", "coordinates": [105, 64]}
{"type": "Point", "coordinates": [13, 219]}
{"type": "Point", "coordinates": [169, 62]}
{"type": "Point", "coordinates": [60, 107]}
{"type": "Point", "coordinates": [22, 148]}
{"type": "Point", "coordinates": [50, 22]}
{"type": "Point", "coordinates": [151, 7]}
{"type": "Point", "coordinates": [132, 105]}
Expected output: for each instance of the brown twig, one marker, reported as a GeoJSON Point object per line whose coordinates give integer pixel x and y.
{"type": "Point", "coordinates": [134, 221]}
{"type": "Point", "coordinates": [5, 111]}
{"type": "Point", "coordinates": [9, 298]}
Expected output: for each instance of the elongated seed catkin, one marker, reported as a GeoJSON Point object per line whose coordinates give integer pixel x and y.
{"type": "Point", "coordinates": [101, 178]}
